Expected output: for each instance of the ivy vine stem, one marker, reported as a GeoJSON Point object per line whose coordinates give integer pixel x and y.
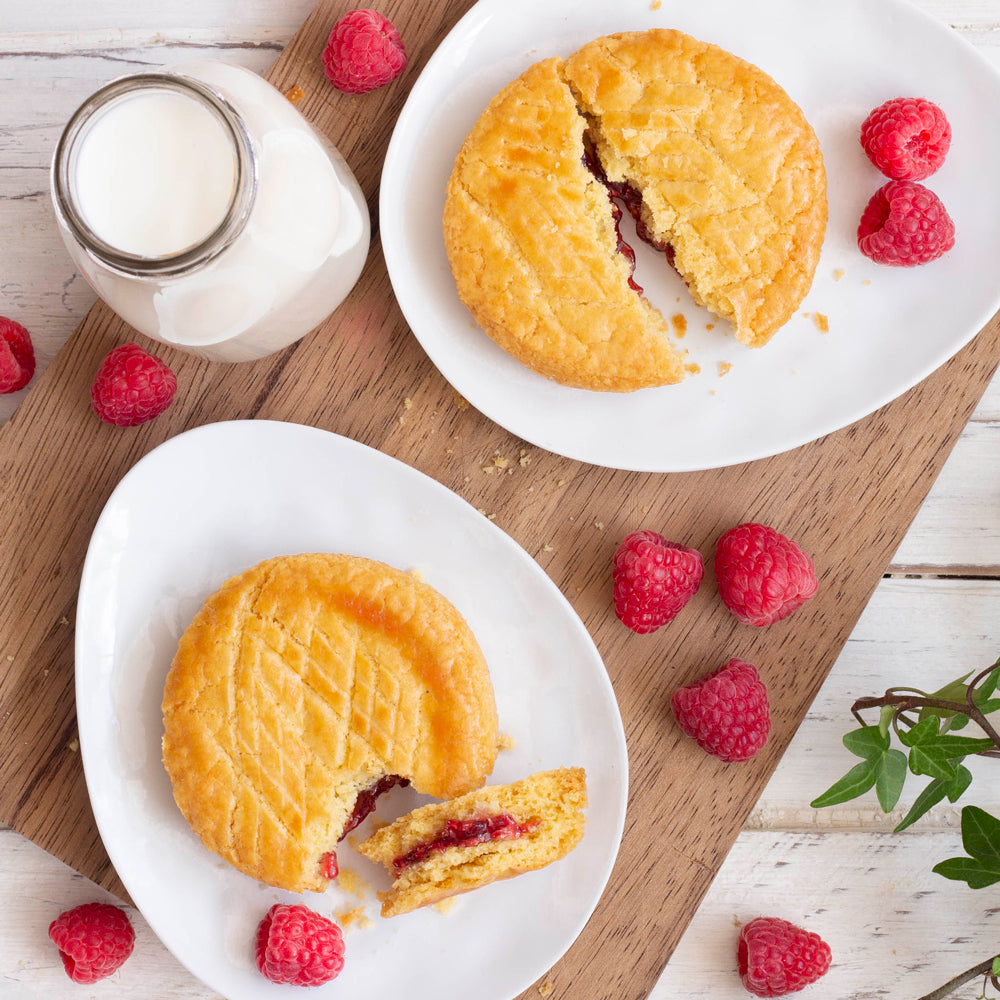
{"type": "Point", "coordinates": [913, 700]}
{"type": "Point", "coordinates": [982, 969]}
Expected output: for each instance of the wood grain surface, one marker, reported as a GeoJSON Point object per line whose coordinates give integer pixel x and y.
{"type": "Point", "coordinates": [848, 498]}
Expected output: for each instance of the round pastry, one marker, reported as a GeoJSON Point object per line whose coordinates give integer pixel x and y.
{"type": "Point", "coordinates": [302, 688]}
{"type": "Point", "coordinates": [497, 832]}
{"type": "Point", "coordinates": [719, 166]}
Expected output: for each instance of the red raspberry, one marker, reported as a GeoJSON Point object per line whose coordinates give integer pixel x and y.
{"type": "Point", "coordinates": [131, 387]}
{"type": "Point", "coordinates": [653, 580]}
{"type": "Point", "coordinates": [775, 957]}
{"type": "Point", "coordinates": [907, 138]}
{"type": "Point", "coordinates": [763, 576]}
{"type": "Point", "coordinates": [726, 713]}
{"type": "Point", "coordinates": [364, 52]}
{"type": "Point", "coordinates": [17, 356]}
{"type": "Point", "coordinates": [298, 946]}
{"type": "Point", "coordinates": [905, 224]}
{"type": "Point", "coordinates": [93, 940]}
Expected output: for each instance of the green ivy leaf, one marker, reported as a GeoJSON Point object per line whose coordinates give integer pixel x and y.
{"type": "Point", "coordinates": [978, 874]}
{"type": "Point", "coordinates": [961, 781]}
{"type": "Point", "coordinates": [996, 966]}
{"type": "Point", "coordinates": [987, 686]}
{"type": "Point", "coordinates": [860, 779]}
{"type": "Point", "coordinates": [932, 794]}
{"type": "Point", "coordinates": [933, 763]}
{"type": "Point", "coordinates": [981, 835]}
{"type": "Point", "coordinates": [890, 776]}
{"type": "Point", "coordinates": [960, 746]}
{"type": "Point", "coordinates": [867, 742]}
{"type": "Point", "coordinates": [924, 731]}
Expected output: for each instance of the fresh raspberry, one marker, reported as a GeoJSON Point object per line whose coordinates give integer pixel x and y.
{"type": "Point", "coordinates": [775, 957]}
{"type": "Point", "coordinates": [17, 356]}
{"type": "Point", "coordinates": [726, 713]}
{"type": "Point", "coordinates": [907, 138]}
{"type": "Point", "coordinates": [364, 52]}
{"type": "Point", "coordinates": [93, 940]}
{"type": "Point", "coordinates": [763, 576]}
{"type": "Point", "coordinates": [131, 386]}
{"type": "Point", "coordinates": [653, 580]}
{"type": "Point", "coordinates": [905, 224]}
{"type": "Point", "coordinates": [298, 946]}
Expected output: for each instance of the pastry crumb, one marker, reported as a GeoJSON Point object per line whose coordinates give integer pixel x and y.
{"type": "Point", "coordinates": [461, 402]}
{"type": "Point", "coordinates": [679, 323]}
{"type": "Point", "coordinates": [74, 745]}
{"type": "Point", "coordinates": [523, 459]}
{"type": "Point", "coordinates": [547, 548]}
{"type": "Point", "coordinates": [822, 322]}
{"type": "Point", "coordinates": [348, 918]}
{"type": "Point", "coordinates": [505, 742]}
{"type": "Point", "coordinates": [599, 525]}
{"type": "Point", "coordinates": [709, 326]}
{"type": "Point", "coordinates": [838, 273]}
{"type": "Point", "coordinates": [546, 988]}
{"type": "Point", "coordinates": [692, 369]}
{"type": "Point", "coordinates": [350, 881]}
{"type": "Point", "coordinates": [295, 94]}
{"type": "Point", "coordinates": [725, 367]}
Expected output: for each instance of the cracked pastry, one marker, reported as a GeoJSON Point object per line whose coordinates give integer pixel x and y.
{"type": "Point", "coordinates": [716, 162]}
{"type": "Point", "coordinates": [302, 688]}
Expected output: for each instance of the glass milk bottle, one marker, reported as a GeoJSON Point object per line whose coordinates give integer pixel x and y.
{"type": "Point", "coordinates": [207, 212]}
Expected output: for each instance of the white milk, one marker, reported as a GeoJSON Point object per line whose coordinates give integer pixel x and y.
{"type": "Point", "coordinates": [207, 212]}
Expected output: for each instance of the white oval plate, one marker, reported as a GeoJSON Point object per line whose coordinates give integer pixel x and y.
{"type": "Point", "coordinates": [888, 327]}
{"type": "Point", "coordinates": [220, 498]}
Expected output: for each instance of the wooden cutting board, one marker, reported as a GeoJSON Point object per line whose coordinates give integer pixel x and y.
{"type": "Point", "coordinates": [848, 498]}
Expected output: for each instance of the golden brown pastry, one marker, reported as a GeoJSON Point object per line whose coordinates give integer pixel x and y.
{"type": "Point", "coordinates": [532, 244]}
{"type": "Point", "coordinates": [299, 686]}
{"type": "Point", "coordinates": [497, 832]}
{"type": "Point", "coordinates": [731, 180]}
{"type": "Point", "coordinates": [731, 173]}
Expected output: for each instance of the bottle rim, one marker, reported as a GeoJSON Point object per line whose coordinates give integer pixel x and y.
{"type": "Point", "coordinates": [183, 261]}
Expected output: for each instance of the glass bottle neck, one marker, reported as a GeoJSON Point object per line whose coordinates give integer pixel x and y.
{"type": "Point", "coordinates": [207, 245]}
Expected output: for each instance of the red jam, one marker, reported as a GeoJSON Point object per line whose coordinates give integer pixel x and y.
{"type": "Point", "coordinates": [623, 193]}
{"type": "Point", "coordinates": [365, 803]}
{"type": "Point", "coordinates": [328, 866]}
{"type": "Point", "coordinates": [464, 833]}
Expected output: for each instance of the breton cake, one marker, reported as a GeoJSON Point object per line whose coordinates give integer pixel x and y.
{"type": "Point", "coordinates": [497, 832]}
{"type": "Point", "coordinates": [714, 159]}
{"type": "Point", "coordinates": [305, 686]}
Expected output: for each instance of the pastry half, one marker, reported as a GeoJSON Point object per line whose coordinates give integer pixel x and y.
{"type": "Point", "coordinates": [730, 172]}
{"type": "Point", "coordinates": [303, 687]}
{"type": "Point", "coordinates": [533, 246]}
{"type": "Point", "coordinates": [497, 832]}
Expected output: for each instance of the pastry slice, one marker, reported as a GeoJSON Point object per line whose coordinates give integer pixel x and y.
{"type": "Point", "coordinates": [497, 832]}
{"type": "Point", "coordinates": [306, 686]}
{"type": "Point", "coordinates": [729, 170]}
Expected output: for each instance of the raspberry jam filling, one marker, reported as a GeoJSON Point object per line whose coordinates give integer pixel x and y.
{"type": "Point", "coordinates": [464, 833]}
{"type": "Point", "coordinates": [364, 805]}
{"type": "Point", "coordinates": [621, 193]}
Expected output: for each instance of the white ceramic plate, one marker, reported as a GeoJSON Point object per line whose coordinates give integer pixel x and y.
{"type": "Point", "coordinates": [888, 327]}
{"type": "Point", "coordinates": [220, 498]}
